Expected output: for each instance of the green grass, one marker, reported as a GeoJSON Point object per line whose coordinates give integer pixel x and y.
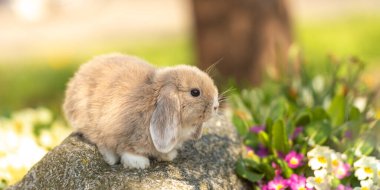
{"type": "Point", "coordinates": [356, 35]}
{"type": "Point", "coordinates": [41, 80]}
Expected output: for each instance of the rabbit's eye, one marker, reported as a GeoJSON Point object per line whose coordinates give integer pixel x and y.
{"type": "Point", "coordinates": [195, 92]}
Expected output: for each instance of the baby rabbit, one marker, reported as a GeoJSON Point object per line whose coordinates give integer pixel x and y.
{"type": "Point", "coordinates": [132, 110]}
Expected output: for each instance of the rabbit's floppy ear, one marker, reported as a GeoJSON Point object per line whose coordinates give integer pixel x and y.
{"type": "Point", "coordinates": [165, 120]}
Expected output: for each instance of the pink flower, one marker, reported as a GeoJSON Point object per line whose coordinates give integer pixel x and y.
{"type": "Point", "coordinates": [342, 170]}
{"type": "Point", "coordinates": [348, 134]}
{"type": "Point", "coordinates": [342, 187]}
{"type": "Point", "coordinates": [257, 129]}
{"type": "Point", "coordinates": [263, 185]}
{"type": "Point", "coordinates": [278, 183]}
{"type": "Point", "coordinates": [297, 182]}
{"type": "Point", "coordinates": [261, 151]}
{"type": "Point", "coordinates": [247, 148]}
{"type": "Point", "coordinates": [277, 169]}
{"type": "Point", "coordinates": [296, 132]}
{"type": "Point", "coordinates": [294, 159]}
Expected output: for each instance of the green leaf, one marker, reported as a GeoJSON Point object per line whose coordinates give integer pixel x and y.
{"type": "Point", "coordinates": [268, 170]}
{"type": "Point", "coordinates": [319, 114]}
{"type": "Point", "coordinates": [268, 125]}
{"type": "Point", "coordinates": [318, 132]}
{"type": "Point", "coordinates": [287, 172]}
{"type": "Point", "coordinates": [264, 138]}
{"type": "Point", "coordinates": [354, 114]}
{"type": "Point", "coordinates": [337, 110]}
{"type": "Point", "coordinates": [240, 125]}
{"type": "Point", "coordinates": [244, 172]}
{"type": "Point", "coordinates": [277, 109]}
{"type": "Point", "coordinates": [365, 147]}
{"type": "Point", "coordinates": [303, 119]}
{"type": "Point", "coordinates": [335, 182]}
{"type": "Point", "coordinates": [251, 140]}
{"type": "Point", "coordinates": [252, 164]}
{"type": "Point", "coordinates": [279, 137]}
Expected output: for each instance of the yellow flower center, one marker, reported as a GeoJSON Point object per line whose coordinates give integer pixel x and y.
{"type": "Point", "coordinates": [364, 188]}
{"type": "Point", "coordinates": [378, 173]}
{"type": "Point", "coordinates": [18, 126]}
{"type": "Point", "coordinates": [378, 114]}
{"type": "Point", "coordinates": [335, 163]}
{"type": "Point", "coordinates": [322, 160]}
{"type": "Point", "coordinates": [279, 187]}
{"type": "Point", "coordinates": [368, 170]}
{"type": "Point", "coordinates": [302, 188]}
{"type": "Point", "coordinates": [294, 161]}
{"type": "Point", "coordinates": [250, 154]}
{"type": "Point", "coordinates": [319, 180]}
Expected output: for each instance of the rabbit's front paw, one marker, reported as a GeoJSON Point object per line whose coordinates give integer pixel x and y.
{"type": "Point", "coordinates": [109, 156]}
{"type": "Point", "coordinates": [130, 160]}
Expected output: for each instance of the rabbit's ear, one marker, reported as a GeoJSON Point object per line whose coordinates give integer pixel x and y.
{"type": "Point", "coordinates": [165, 121]}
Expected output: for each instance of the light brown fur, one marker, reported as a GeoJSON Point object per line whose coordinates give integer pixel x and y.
{"type": "Point", "coordinates": [118, 102]}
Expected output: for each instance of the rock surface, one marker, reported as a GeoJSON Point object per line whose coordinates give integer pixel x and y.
{"type": "Point", "coordinates": [205, 164]}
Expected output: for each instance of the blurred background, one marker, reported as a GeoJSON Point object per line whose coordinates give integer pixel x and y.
{"type": "Point", "coordinates": [42, 43]}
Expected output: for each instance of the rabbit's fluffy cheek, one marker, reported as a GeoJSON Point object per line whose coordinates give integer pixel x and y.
{"type": "Point", "coordinates": [187, 132]}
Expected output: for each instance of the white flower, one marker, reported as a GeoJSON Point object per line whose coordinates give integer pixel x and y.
{"type": "Point", "coordinates": [360, 103]}
{"type": "Point", "coordinates": [318, 149]}
{"type": "Point", "coordinates": [367, 185]}
{"type": "Point", "coordinates": [358, 152]}
{"type": "Point", "coordinates": [327, 102]}
{"type": "Point", "coordinates": [319, 162]}
{"type": "Point", "coordinates": [8, 140]}
{"type": "Point", "coordinates": [18, 147]}
{"type": "Point", "coordinates": [318, 83]}
{"type": "Point", "coordinates": [366, 172]}
{"type": "Point", "coordinates": [337, 158]}
{"type": "Point", "coordinates": [43, 116]}
{"type": "Point", "coordinates": [377, 174]}
{"type": "Point", "coordinates": [320, 157]}
{"type": "Point", "coordinates": [307, 96]}
{"type": "Point", "coordinates": [366, 168]}
{"type": "Point", "coordinates": [311, 142]}
{"type": "Point", "coordinates": [320, 181]}
{"type": "Point", "coordinates": [23, 121]}
{"type": "Point", "coordinates": [46, 139]}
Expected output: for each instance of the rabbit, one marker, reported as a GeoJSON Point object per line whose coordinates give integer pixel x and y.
{"type": "Point", "coordinates": [132, 110]}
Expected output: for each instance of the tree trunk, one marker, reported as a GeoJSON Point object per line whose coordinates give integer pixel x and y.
{"type": "Point", "coordinates": [248, 37]}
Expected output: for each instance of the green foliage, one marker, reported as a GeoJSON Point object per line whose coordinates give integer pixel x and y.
{"type": "Point", "coordinates": [297, 113]}
{"type": "Point", "coordinates": [345, 36]}
{"type": "Point", "coordinates": [278, 137]}
{"type": "Point", "coordinates": [243, 171]}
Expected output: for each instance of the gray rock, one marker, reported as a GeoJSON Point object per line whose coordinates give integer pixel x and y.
{"type": "Point", "coordinates": [204, 164]}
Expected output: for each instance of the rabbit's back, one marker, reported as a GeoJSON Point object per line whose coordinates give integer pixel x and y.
{"type": "Point", "coordinates": [97, 92]}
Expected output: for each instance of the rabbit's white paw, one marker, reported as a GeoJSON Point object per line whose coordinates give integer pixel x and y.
{"type": "Point", "coordinates": [109, 156]}
{"type": "Point", "coordinates": [130, 160]}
